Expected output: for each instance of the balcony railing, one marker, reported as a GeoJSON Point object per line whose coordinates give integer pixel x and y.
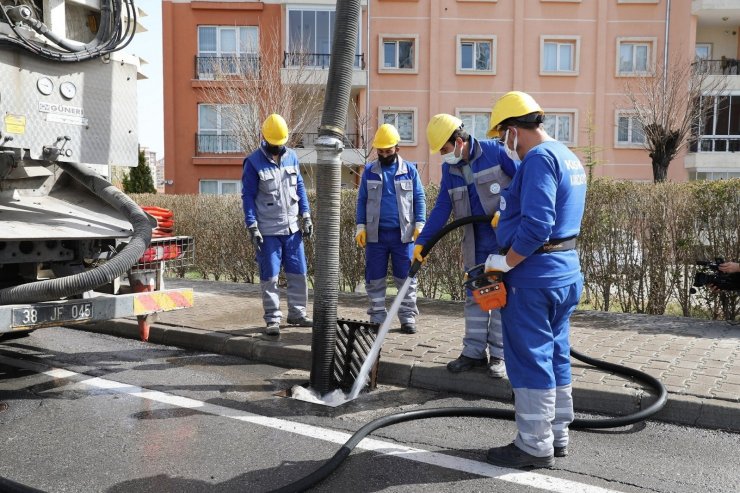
{"type": "Point", "coordinates": [319, 60]}
{"type": "Point", "coordinates": [217, 144]}
{"type": "Point", "coordinates": [725, 66]}
{"type": "Point", "coordinates": [350, 141]}
{"type": "Point", "coordinates": [714, 143]}
{"type": "Point", "coordinates": [218, 67]}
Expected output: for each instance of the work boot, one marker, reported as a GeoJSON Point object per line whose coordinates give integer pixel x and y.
{"type": "Point", "coordinates": [496, 368]}
{"type": "Point", "coordinates": [561, 451]}
{"type": "Point", "coordinates": [301, 321]}
{"type": "Point", "coordinates": [514, 457]}
{"type": "Point", "coordinates": [273, 329]}
{"type": "Point", "coordinates": [463, 363]}
{"type": "Point", "coordinates": [408, 328]}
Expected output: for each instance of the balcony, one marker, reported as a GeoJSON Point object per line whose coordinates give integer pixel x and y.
{"type": "Point", "coordinates": [725, 66]}
{"type": "Point", "coordinates": [220, 67]}
{"type": "Point", "coordinates": [716, 143]}
{"type": "Point", "coordinates": [312, 69]}
{"type": "Point", "coordinates": [316, 60]}
{"type": "Point", "coordinates": [217, 144]}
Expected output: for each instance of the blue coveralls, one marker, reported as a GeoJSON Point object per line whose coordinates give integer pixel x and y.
{"type": "Point", "coordinates": [273, 196]}
{"type": "Point", "coordinates": [544, 202]}
{"type": "Point", "coordinates": [391, 204]}
{"type": "Point", "coordinates": [466, 189]}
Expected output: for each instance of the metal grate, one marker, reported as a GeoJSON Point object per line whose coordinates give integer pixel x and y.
{"type": "Point", "coordinates": [175, 252]}
{"type": "Point", "coordinates": [354, 340]}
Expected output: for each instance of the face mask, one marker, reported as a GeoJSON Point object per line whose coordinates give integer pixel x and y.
{"type": "Point", "coordinates": [451, 158]}
{"type": "Point", "coordinates": [387, 160]}
{"type": "Point", "coordinates": [274, 150]}
{"type": "Point", "coordinates": [509, 152]}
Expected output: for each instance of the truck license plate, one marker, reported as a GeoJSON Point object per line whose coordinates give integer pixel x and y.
{"type": "Point", "coordinates": [51, 314]}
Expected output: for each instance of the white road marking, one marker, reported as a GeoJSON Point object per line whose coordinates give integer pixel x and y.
{"type": "Point", "coordinates": [531, 479]}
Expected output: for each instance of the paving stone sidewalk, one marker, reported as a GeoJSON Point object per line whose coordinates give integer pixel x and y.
{"type": "Point", "coordinates": [698, 361]}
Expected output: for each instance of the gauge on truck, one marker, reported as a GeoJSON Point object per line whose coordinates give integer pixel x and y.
{"type": "Point", "coordinates": [68, 90]}
{"type": "Point", "coordinates": [45, 86]}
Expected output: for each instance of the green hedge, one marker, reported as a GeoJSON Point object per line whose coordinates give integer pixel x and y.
{"type": "Point", "coordinates": [638, 244]}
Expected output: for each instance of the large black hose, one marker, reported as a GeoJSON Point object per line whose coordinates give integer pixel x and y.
{"type": "Point", "coordinates": [328, 183]}
{"type": "Point", "coordinates": [336, 460]}
{"type": "Point", "coordinates": [54, 289]}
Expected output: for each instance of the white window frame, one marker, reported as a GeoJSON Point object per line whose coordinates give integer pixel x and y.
{"type": "Point", "coordinates": [219, 128]}
{"type": "Point", "coordinates": [319, 8]}
{"type": "Point", "coordinates": [382, 110]}
{"type": "Point", "coordinates": [219, 186]}
{"type": "Point", "coordinates": [629, 144]}
{"type": "Point", "coordinates": [651, 44]}
{"type": "Point", "coordinates": [474, 38]}
{"type": "Point", "coordinates": [575, 41]}
{"type": "Point", "coordinates": [387, 38]}
{"type": "Point", "coordinates": [561, 112]}
{"type": "Point", "coordinates": [709, 50]}
{"type": "Point", "coordinates": [459, 112]}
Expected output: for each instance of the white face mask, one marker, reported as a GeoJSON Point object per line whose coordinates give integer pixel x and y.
{"type": "Point", "coordinates": [451, 158]}
{"type": "Point", "coordinates": [509, 152]}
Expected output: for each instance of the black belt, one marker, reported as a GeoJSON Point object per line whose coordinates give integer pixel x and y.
{"type": "Point", "coordinates": [556, 245]}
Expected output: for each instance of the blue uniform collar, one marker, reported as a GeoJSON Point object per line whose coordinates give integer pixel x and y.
{"type": "Point", "coordinates": [402, 169]}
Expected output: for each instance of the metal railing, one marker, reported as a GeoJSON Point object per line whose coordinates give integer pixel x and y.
{"type": "Point", "coordinates": [320, 60]}
{"type": "Point", "coordinates": [725, 66]}
{"type": "Point", "coordinates": [715, 143]}
{"type": "Point", "coordinates": [217, 144]}
{"type": "Point", "coordinates": [308, 140]}
{"type": "Point", "coordinates": [216, 67]}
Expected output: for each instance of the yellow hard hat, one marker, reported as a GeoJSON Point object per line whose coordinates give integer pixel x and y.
{"type": "Point", "coordinates": [511, 105]}
{"type": "Point", "coordinates": [386, 137]}
{"type": "Point", "coordinates": [275, 130]}
{"type": "Point", "coordinates": [440, 129]}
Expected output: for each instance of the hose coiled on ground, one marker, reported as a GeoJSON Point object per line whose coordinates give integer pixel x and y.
{"type": "Point", "coordinates": [475, 412]}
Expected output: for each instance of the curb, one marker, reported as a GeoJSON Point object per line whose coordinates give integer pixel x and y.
{"type": "Point", "coordinates": [588, 397]}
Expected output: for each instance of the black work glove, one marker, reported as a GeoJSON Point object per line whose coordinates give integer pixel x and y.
{"type": "Point", "coordinates": [257, 239]}
{"type": "Point", "coordinates": [307, 227]}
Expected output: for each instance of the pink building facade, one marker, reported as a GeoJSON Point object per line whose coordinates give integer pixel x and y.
{"type": "Point", "coordinates": [417, 58]}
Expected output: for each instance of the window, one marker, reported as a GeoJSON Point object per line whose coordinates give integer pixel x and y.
{"type": "Point", "coordinates": [476, 55]}
{"type": "Point", "coordinates": [720, 131]}
{"type": "Point", "coordinates": [629, 131]}
{"type": "Point", "coordinates": [310, 34]}
{"type": "Point", "coordinates": [220, 187]}
{"type": "Point", "coordinates": [559, 55]}
{"type": "Point", "coordinates": [703, 51]}
{"type": "Point", "coordinates": [398, 53]}
{"type": "Point", "coordinates": [404, 119]}
{"type": "Point", "coordinates": [635, 56]}
{"type": "Point", "coordinates": [560, 125]}
{"type": "Point", "coordinates": [227, 50]}
{"type": "Point", "coordinates": [218, 127]}
{"type": "Point", "coordinates": [476, 122]}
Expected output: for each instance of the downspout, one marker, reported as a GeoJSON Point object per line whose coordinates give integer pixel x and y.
{"type": "Point", "coordinates": [665, 47]}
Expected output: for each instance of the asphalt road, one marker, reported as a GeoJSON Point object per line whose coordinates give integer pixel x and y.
{"type": "Point", "coordinates": [88, 412]}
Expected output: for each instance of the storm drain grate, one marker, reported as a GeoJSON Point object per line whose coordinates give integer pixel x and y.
{"type": "Point", "coordinates": [355, 338]}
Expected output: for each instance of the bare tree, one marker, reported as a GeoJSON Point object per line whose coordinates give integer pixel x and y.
{"type": "Point", "coordinates": [668, 107]}
{"type": "Point", "coordinates": [250, 87]}
{"type": "Point", "coordinates": [590, 152]}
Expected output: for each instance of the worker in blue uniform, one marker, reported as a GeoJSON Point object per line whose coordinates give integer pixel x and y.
{"type": "Point", "coordinates": [539, 221]}
{"type": "Point", "coordinates": [474, 173]}
{"type": "Point", "coordinates": [391, 209]}
{"type": "Point", "coordinates": [274, 198]}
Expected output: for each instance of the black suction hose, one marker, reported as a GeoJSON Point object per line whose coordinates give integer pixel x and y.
{"type": "Point", "coordinates": [334, 462]}
{"type": "Point", "coordinates": [54, 289]}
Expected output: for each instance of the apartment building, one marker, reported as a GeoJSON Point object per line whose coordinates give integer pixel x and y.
{"type": "Point", "coordinates": [416, 58]}
{"type": "Point", "coordinates": [207, 46]}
